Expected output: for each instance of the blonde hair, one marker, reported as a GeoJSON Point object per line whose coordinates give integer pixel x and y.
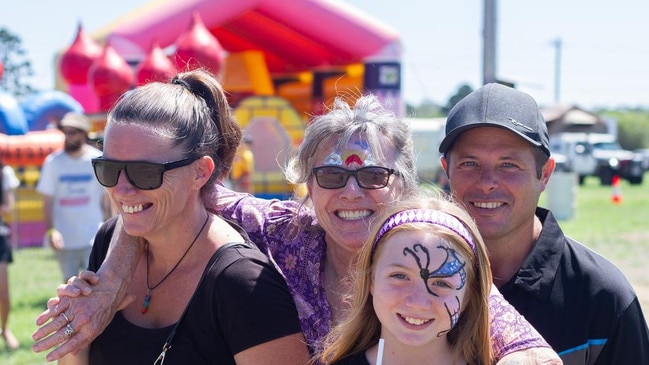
{"type": "Point", "coordinates": [361, 327]}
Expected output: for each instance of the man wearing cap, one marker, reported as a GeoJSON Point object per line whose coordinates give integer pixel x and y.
{"type": "Point", "coordinates": [74, 203]}
{"type": "Point", "coordinates": [497, 158]}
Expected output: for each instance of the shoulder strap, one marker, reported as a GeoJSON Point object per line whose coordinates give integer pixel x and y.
{"type": "Point", "coordinates": [217, 255]}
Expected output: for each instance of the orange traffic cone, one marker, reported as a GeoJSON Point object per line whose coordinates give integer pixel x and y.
{"type": "Point", "coordinates": [616, 198]}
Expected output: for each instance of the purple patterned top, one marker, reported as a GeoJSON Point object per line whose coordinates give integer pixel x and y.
{"type": "Point", "coordinates": [289, 233]}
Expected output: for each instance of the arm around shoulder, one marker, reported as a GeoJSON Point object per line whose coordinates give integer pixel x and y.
{"type": "Point", "coordinates": [512, 333]}
{"type": "Point", "coordinates": [533, 356]}
{"type": "Point", "coordinates": [92, 312]}
{"type": "Point", "coordinates": [80, 358]}
{"type": "Point", "coordinates": [286, 350]}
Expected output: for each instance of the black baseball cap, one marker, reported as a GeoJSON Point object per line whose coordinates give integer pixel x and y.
{"type": "Point", "coordinates": [496, 105]}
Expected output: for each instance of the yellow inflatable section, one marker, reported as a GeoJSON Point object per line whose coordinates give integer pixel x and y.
{"type": "Point", "coordinates": [275, 129]}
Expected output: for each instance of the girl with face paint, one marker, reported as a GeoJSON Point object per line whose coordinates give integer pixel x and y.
{"type": "Point", "coordinates": [421, 284]}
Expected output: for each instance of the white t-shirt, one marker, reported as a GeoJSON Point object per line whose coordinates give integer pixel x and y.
{"type": "Point", "coordinates": [9, 179]}
{"type": "Point", "coordinates": [77, 196]}
{"type": "Point", "coordinates": [9, 182]}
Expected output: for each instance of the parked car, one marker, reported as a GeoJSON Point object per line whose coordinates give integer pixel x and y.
{"type": "Point", "coordinates": [613, 160]}
{"type": "Point", "coordinates": [643, 155]}
{"type": "Point", "coordinates": [597, 154]}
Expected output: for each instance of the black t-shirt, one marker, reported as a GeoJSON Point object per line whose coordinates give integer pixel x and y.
{"type": "Point", "coordinates": [355, 359]}
{"type": "Point", "coordinates": [245, 305]}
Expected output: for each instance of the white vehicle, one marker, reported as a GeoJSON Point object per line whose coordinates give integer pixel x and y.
{"type": "Point", "coordinates": [596, 154]}
{"type": "Point", "coordinates": [427, 134]}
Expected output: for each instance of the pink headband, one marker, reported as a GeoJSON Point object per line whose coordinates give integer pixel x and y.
{"type": "Point", "coordinates": [426, 216]}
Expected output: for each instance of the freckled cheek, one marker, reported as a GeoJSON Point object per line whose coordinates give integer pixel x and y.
{"type": "Point", "coordinates": [448, 300]}
{"type": "Point", "coordinates": [389, 295]}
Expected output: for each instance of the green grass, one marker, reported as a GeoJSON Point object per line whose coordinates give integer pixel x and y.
{"type": "Point", "coordinates": [618, 232]}
{"type": "Point", "coordinates": [33, 278]}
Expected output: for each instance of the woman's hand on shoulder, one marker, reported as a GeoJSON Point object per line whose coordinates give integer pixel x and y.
{"type": "Point", "coordinates": [533, 356]}
{"type": "Point", "coordinates": [286, 350]}
{"type": "Point", "coordinates": [85, 306]}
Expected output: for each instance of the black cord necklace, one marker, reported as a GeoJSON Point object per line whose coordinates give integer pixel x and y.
{"type": "Point", "coordinates": [147, 297]}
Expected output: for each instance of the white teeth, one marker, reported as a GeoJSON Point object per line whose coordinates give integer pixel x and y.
{"type": "Point", "coordinates": [415, 321]}
{"type": "Point", "coordinates": [490, 205]}
{"type": "Point", "coordinates": [353, 214]}
{"type": "Point", "coordinates": [132, 209]}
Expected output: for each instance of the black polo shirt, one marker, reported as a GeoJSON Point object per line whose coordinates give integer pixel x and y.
{"type": "Point", "coordinates": [582, 304]}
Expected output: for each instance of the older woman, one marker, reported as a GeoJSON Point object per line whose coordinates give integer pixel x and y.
{"type": "Point", "coordinates": [204, 294]}
{"type": "Point", "coordinates": [355, 162]}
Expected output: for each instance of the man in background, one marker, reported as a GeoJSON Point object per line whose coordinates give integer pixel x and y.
{"type": "Point", "coordinates": [74, 203]}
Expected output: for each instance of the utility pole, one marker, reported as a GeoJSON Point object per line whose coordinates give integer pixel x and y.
{"type": "Point", "coordinates": [489, 42]}
{"type": "Point", "coordinates": [557, 70]}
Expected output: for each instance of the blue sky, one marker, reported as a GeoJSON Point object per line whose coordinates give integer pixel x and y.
{"type": "Point", "coordinates": [604, 63]}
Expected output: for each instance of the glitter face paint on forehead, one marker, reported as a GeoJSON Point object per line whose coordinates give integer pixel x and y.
{"type": "Point", "coordinates": [426, 216]}
{"type": "Point", "coordinates": [361, 156]}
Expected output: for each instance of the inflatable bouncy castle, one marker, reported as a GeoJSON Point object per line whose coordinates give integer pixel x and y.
{"type": "Point", "coordinates": [280, 62]}
{"type": "Point", "coordinates": [302, 52]}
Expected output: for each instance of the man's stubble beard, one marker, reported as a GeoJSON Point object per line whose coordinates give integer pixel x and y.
{"type": "Point", "coordinates": [71, 147]}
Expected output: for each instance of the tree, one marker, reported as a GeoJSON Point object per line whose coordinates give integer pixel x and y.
{"type": "Point", "coordinates": [426, 109]}
{"type": "Point", "coordinates": [462, 91]}
{"type": "Point", "coordinates": [632, 127]}
{"type": "Point", "coordinates": [17, 68]}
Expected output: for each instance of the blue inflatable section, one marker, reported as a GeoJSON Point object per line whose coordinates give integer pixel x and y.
{"type": "Point", "coordinates": [43, 107]}
{"type": "Point", "coordinates": [12, 118]}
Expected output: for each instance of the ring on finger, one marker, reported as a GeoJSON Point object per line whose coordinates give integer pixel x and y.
{"type": "Point", "coordinates": [65, 316]}
{"type": "Point", "coordinates": [68, 331]}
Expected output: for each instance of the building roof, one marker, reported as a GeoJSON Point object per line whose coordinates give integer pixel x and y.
{"type": "Point", "coordinates": [572, 118]}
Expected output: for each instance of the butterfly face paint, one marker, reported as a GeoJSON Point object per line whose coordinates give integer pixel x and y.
{"type": "Point", "coordinates": [450, 274]}
{"type": "Point", "coordinates": [419, 286]}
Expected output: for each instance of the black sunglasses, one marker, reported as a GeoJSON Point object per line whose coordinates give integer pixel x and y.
{"type": "Point", "coordinates": [369, 177]}
{"type": "Point", "coordinates": [141, 174]}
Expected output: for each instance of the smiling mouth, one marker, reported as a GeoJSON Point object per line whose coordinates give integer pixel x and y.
{"type": "Point", "coordinates": [132, 208]}
{"type": "Point", "coordinates": [488, 205]}
{"type": "Point", "coordinates": [414, 321]}
{"type": "Point", "coordinates": [351, 215]}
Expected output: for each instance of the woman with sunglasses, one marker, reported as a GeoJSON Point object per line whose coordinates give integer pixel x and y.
{"type": "Point", "coordinates": [203, 293]}
{"type": "Point", "coordinates": [355, 163]}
